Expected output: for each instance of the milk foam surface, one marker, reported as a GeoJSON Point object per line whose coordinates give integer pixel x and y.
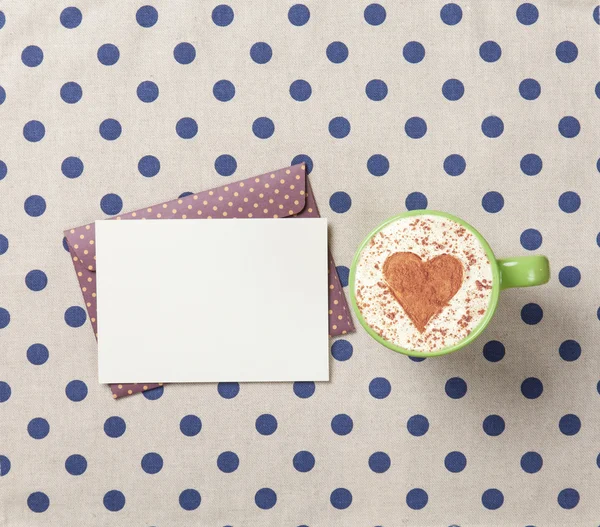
{"type": "Point", "coordinates": [426, 236]}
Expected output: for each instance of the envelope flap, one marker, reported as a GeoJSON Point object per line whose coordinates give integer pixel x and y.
{"type": "Point", "coordinates": [276, 194]}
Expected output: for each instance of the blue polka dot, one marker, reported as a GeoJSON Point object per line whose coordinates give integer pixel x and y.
{"type": "Point", "coordinates": [37, 354]}
{"type": "Point", "coordinates": [453, 89]}
{"type": "Point", "coordinates": [303, 158]}
{"type": "Point", "coordinates": [416, 499]}
{"type": "Point", "coordinates": [35, 206]}
{"type": "Point", "coordinates": [228, 462]}
{"type": "Point", "coordinates": [5, 392]}
{"type": "Point", "coordinates": [111, 204]}
{"type": "Point", "coordinates": [147, 91]}
{"type": "Point", "coordinates": [76, 391]}
{"type": "Point", "coordinates": [490, 51]}
{"type": "Point", "coordinates": [304, 389]}
{"type": "Point", "coordinates": [2, 94]}
{"type": "Point", "coordinates": [493, 425]}
{"type": "Point", "coordinates": [569, 127]}
{"type": "Point", "coordinates": [379, 462]}
{"type": "Point", "coordinates": [114, 426]}
{"type": "Point", "coordinates": [340, 202]}
{"type": "Point", "coordinates": [38, 502]}
{"type": "Point", "coordinates": [531, 239]}
{"type": "Point", "coordinates": [568, 498]}
{"type": "Point", "coordinates": [298, 15]}
{"type": "Point", "coordinates": [223, 90]}
{"type": "Point", "coordinates": [263, 127]}
{"type": "Point", "coordinates": [413, 52]}
{"type": "Point", "coordinates": [569, 424]}
{"type": "Point", "coordinates": [71, 92]}
{"type": "Point", "coordinates": [110, 129]}
{"type": "Point", "coordinates": [36, 280]}
{"type": "Point", "coordinates": [228, 390]}
{"type": "Point", "coordinates": [455, 462]}
{"type": "Point", "coordinates": [114, 500]}
{"type": "Point", "coordinates": [300, 90]}
{"type": "Point", "coordinates": [186, 128]}
{"type": "Point", "coordinates": [492, 499]}
{"type": "Point", "coordinates": [530, 89]}
{"type": "Point", "coordinates": [569, 202]}
{"type": "Point", "coordinates": [261, 52]}
{"type": "Point", "coordinates": [569, 350]}
{"type": "Point", "coordinates": [32, 56]}
{"type": "Point", "coordinates": [3, 244]}
{"type": "Point", "coordinates": [190, 425]}
{"type": "Point", "coordinates": [341, 350]}
{"type": "Point", "coordinates": [527, 14]}
{"type": "Point", "coordinates": [149, 166]}
{"type": "Point", "coordinates": [451, 14]}
{"type": "Point", "coordinates": [532, 314]}
{"type": "Point", "coordinates": [75, 316]}
{"type": "Point", "coordinates": [190, 499]}
{"type": "Point", "coordinates": [108, 54]}
{"type": "Point", "coordinates": [417, 425]}
{"type": "Point", "coordinates": [265, 498]}
{"type": "Point", "coordinates": [566, 51]}
{"type": "Point", "coordinates": [376, 90]}
{"type": "Point", "coordinates": [595, 15]}
{"type": "Point", "coordinates": [184, 53]}
{"type": "Point", "coordinates": [569, 276]}
{"type": "Point", "coordinates": [531, 462]}
{"type": "Point", "coordinates": [70, 17]}
{"type": "Point", "coordinates": [4, 465]}
{"type": "Point", "coordinates": [222, 15]}
{"type": "Point", "coordinates": [2, 19]}
{"type": "Point", "coordinates": [380, 387]}
{"type": "Point", "coordinates": [531, 164]}
{"type": "Point", "coordinates": [337, 52]}
{"type": "Point", "coordinates": [342, 424]}
{"type": "Point", "coordinates": [76, 465]}
{"type": "Point", "coordinates": [304, 461]}
{"type": "Point", "coordinates": [454, 165]}
{"type": "Point", "coordinates": [415, 127]}
{"type": "Point", "coordinates": [341, 498]}
{"type": "Point", "coordinates": [65, 244]}
{"type": "Point", "coordinates": [154, 393]}
{"type": "Point", "coordinates": [415, 201]}
{"type": "Point", "coordinates": [378, 165]}
{"type": "Point", "coordinates": [34, 131]}
{"type": "Point", "coordinates": [339, 127]}
{"type": "Point", "coordinates": [597, 90]}
{"type": "Point", "coordinates": [4, 318]}
{"type": "Point", "coordinates": [146, 16]}
{"type": "Point", "coordinates": [152, 463]}
{"type": "Point", "coordinates": [4, 169]}
{"type": "Point", "coordinates": [492, 202]}
{"type": "Point", "coordinates": [225, 165]}
{"type": "Point", "coordinates": [375, 14]}
{"type": "Point", "coordinates": [266, 424]}
{"type": "Point", "coordinates": [492, 126]}
{"type": "Point", "coordinates": [456, 388]}
{"type": "Point", "coordinates": [532, 388]}
{"type": "Point", "coordinates": [185, 194]}
{"type": "Point", "coordinates": [343, 274]}
{"type": "Point", "coordinates": [72, 167]}
{"type": "Point", "coordinates": [38, 428]}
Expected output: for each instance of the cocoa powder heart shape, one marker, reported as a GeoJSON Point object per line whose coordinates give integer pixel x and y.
{"type": "Point", "coordinates": [422, 288]}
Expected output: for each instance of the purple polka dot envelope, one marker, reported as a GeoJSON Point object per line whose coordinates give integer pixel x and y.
{"type": "Point", "coordinates": [284, 193]}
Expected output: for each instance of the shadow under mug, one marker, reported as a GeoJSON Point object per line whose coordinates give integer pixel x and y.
{"type": "Point", "coordinates": [520, 271]}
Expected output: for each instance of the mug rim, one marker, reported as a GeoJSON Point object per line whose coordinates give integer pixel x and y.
{"type": "Point", "coordinates": [476, 330]}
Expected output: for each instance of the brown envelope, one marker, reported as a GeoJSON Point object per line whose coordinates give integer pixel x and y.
{"type": "Point", "coordinates": [284, 193]}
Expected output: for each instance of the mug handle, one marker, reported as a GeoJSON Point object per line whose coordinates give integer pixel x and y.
{"type": "Point", "coordinates": [523, 271]}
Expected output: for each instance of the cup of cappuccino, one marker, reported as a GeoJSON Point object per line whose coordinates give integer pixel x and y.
{"type": "Point", "coordinates": [426, 283]}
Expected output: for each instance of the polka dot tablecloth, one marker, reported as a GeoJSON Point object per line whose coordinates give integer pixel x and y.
{"type": "Point", "coordinates": [487, 110]}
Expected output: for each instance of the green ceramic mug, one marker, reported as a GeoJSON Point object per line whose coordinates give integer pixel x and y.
{"type": "Point", "coordinates": [521, 271]}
